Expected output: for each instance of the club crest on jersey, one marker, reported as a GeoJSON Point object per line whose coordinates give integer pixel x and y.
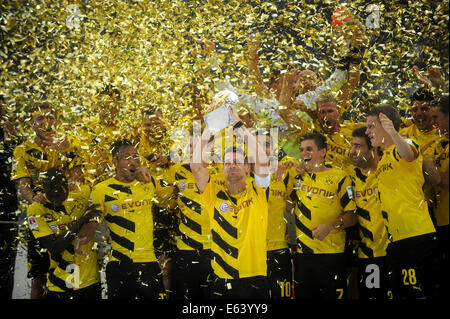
{"type": "Point", "coordinates": [54, 228]}
{"type": "Point", "coordinates": [298, 184]}
{"type": "Point", "coordinates": [182, 186]}
{"type": "Point", "coordinates": [32, 222]}
{"type": "Point", "coordinates": [225, 207]}
{"type": "Point", "coordinates": [115, 208]}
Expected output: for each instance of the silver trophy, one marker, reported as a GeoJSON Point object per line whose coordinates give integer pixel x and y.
{"type": "Point", "coordinates": [221, 117]}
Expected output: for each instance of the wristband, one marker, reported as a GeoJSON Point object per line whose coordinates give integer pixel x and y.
{"type": "Point", "coordinates": [253, 59]}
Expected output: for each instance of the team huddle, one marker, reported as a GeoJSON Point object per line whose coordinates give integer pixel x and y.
{"type": "Point", "coordinates": [260, 216]}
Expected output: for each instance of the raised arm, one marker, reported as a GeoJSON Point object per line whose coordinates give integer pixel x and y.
{"type": "Point", "coordinates": [403, 148]}
{"type": "Point", "coordinates": [286, 98]}
{"type": "Point", "coordinates": [199, 158]}
{"type": "Point", "coordinates": [255, 76]}
{"type": "Point", "coordinates": [256, 149]}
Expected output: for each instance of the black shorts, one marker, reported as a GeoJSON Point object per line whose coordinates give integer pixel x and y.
{"type": "Point", "coordinates": [126, 280]}
{"type": "Point", "coordinates": [320, 276]}
{"type": "Point", "coordinates": [279, 273]}
{"type": "Point", "coordinates": [191, 274]}
{"type": "Point", "coordinates": [243, 288]}
{"type": "Point", "coordinates": [413, 267]}
{"type": "Point", "coordinates": [38, 258]}
{"type": "Point", "coordinates": [372, 278]}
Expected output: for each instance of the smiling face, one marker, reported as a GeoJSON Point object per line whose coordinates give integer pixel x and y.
{"type": "Point", "coordinates": [126, 163]}
{"type": "Point", "coordinates": [375, 132]}
{"type": "Point", "coordinates": [312, 157]}
{"type": "Point", "coordinates": [362, 155]}
{"type": "Point", "coordinates": [44, 123]}
{"type": "Point", "coordinates": [421, 114]}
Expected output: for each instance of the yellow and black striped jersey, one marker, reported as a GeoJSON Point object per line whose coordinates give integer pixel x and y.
{"type": "Point", "coordinates": [321, 197]}
{"type": "Point", "coordinates": [30, 160]}
{"type": "Point", "coordinates": [238, 228]}
{"type": "Point", "coordinates": [424, 139]}
{"type": "Point", "coordinates": [370, 221]}
{"type": "Point", "coordinates": [68, 270]}
{"type": "Point", "coordinates": [441, 207]}
{"type": "Point", "coordinates": [127, 209]}
{"type": "Point", "coordinates": [194, 232]}
{"type": "Point", "coordinates": [403, 203]}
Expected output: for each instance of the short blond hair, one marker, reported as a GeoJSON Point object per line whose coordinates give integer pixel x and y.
{"type": "Point", "coordinates": [326, 97]}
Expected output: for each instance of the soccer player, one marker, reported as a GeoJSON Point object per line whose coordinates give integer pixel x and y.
{"type": "Point", "coordinates": [304, 91]}
{"type": "Point", "coordinates": [373, 243]}
{"type": "Point", "coordinates": [324, 207]}
{"type": "Point", "coordinates": [411, 253]}
{"type": "Point", "coordinates": [279, 257]}
{"type": "Point", "coordinates": [55, 224]}
{"type": "Point", "coordinates": [422, 130]}
{"type": "Point", "coordinates": [237, 208]}
{"type": "Point", "coordinates": [126, 204]}
{"type": "Point", "coordinates": [154, 145]}
{"type": "Point", "coordinates": [441, 203]}
{"type": "Point", "coordinates": [35, 155]}
{"type": "Point", "coordinates": [193, 245]}
{"type": "Point", "coordinates": [337, 132]}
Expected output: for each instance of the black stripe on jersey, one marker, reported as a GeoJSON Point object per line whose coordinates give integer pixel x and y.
{"type": "Point", "coordinates": [415, 144]}
{"type": "Point", "coordinates": [363, 213]}
{"type": "Point", "coordinates": [58, 282]}
{"type": "Point", "coordinates": [179, 177]}
{"type": "Point", "coordinates": [109, 198]}
{"type": "Point", "coordinates": [118, 255]}
{"type": "Point", "coordinates": [190, 223]}
{"type": "Point", "coordinates": [121, 188]}
{"type": "Point", "coordinates": [345, 200]}
{"type": "Point", "coordinates": [304, 210]}
{"type": "Point", "coordinates": [385, 215]}
{"type": "Point", "coordinates": [223, 195]}
{"type": "Point", "coordinates": [340, 184]}
{"type": "Point", "coordinates": [366, 250]}
{"type": "Point", "coordinates": [187, 166]}
{"type": "Point", "coordinates": [122, 241]}
{"type": "Point", "coordinates": [225, 225]}
{"type": "Point", "coordinates": [233, 272]}
{"type": "Point", "coordinates": [196, 207]}
{"type": "Point", "coordinates": [191, 242]}
{"type": "Point", "coordinates": [120, 221]}
{"type": "Point", "coordinates": [394, 153]}
{"type": "Point", "coordinates": [71, 249]}
{"type": "Point", "coordinates": [227, 248]}
{"type": "Point", "coordinates": [286, 180]}
{"type": "Point", "coordinates": [305, 230]}
{"type": "Point", "coordinates": [360, 175]}
{"type": "Point", "coordinates": [367, 233]}
{"type": "Point", "coordinates": [305, 249]}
